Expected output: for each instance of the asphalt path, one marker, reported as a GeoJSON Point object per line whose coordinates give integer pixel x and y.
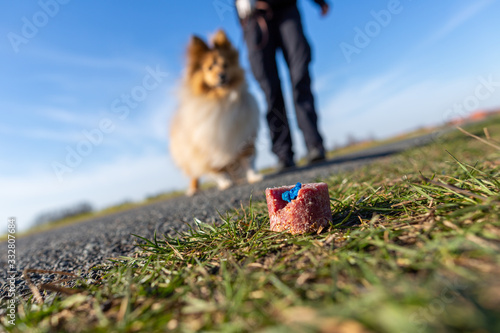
{"type": "Point", "coordinates": [78, 247]}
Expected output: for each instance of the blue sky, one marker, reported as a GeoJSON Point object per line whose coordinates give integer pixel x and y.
{"type": "Point", "coordinates": [100, 77]}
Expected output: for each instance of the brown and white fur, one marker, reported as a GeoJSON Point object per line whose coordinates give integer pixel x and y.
{"type": "Point", "coordinates": [214, 129]}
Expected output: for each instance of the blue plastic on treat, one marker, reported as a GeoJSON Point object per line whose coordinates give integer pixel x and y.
{"type": "Point", "coordinates": [288, 196]}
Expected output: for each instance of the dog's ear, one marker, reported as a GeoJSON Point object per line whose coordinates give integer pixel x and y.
{"type": "Point", "coordinates": [220, 40]}
{"type": "Point", "coordinates": [197, 47]}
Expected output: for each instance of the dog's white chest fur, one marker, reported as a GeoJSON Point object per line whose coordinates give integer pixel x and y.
{"type": "Point", "coordinates": [209, 133]}
{"type": "Point", "coordinates": [233, 96]}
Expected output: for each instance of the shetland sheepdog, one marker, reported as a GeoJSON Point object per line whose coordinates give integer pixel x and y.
{"type": "Point", "coordinates": [214, 128]}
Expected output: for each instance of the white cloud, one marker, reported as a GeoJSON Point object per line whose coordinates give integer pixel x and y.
{"type": "Point", "coordinates": [129, 177]}
{"type": "Point", "coordinates": [60, 57]}
{"type": "Point", "coordinates": [359, 95]}
{"type": "Point", "coordinates": [66, 116]}
{"type": "Point", "coordinates": [459, 18]}
{"type": "Point", "coordinates": [389, 104]}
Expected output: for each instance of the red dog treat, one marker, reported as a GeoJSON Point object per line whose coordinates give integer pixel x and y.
{"type": "Point", "coordinates": [308, 212]}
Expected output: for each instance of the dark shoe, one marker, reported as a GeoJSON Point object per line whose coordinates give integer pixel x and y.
{"type": "Point", "coordinates": [285, 164]}
{"type": "Point", "coordinates": [315, 155]}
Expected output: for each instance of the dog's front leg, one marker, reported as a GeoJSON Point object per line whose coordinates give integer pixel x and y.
{"type": "Point", "coordinates": [222, 179]}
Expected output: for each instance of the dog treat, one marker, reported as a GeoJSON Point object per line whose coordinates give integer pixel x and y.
{"type": "Point", "coordinates": [299, 209]}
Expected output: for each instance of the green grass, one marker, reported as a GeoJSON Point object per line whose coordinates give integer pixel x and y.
{"type": "Point", "coordinates": [414, 247]}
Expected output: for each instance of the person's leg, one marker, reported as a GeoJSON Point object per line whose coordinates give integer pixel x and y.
{"type": "Point", "coordinates": [297, 53]}
{"type": "Point", "coordinates": [263, 63]}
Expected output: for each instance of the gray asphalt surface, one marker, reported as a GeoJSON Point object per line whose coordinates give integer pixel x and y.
{"type": "Point", "coordinates": [78, 247]}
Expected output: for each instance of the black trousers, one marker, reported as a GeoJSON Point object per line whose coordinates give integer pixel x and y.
{"type": "Point", "coordinates": [284, 32]}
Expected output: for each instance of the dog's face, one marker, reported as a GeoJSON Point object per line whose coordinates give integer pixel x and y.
{"type": "Point", "coordinates": [213, 71]}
